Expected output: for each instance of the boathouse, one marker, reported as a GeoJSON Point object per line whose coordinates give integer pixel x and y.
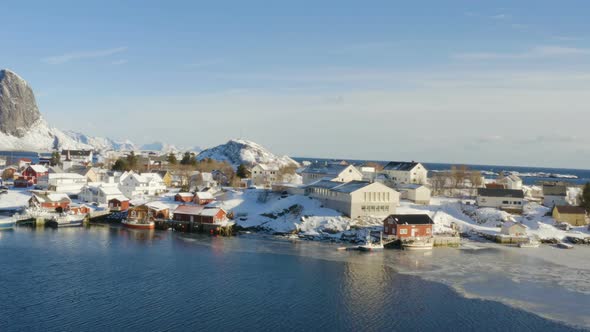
{"type": "Point", "coordinates": [404, 226]}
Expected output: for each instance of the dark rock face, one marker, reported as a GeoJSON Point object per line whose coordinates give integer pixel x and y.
{"type": "Point", "coordinates": [18, 108]}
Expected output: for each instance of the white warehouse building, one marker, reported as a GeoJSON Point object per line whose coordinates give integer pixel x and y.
{"type": "Point", "coordinates": [355, 199]}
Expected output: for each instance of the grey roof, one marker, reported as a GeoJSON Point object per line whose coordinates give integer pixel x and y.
{"type": "Point", "coordinates": [324, 184]}
{"type": "Point", "coordinates": [493, 192]}
{"type": "Point", "coordinates": [351, 186]}
{"type": "Point", "coordinates": [323, 168]}
{"type": "Point", "coordinates": [410, 219]}
{"type": "Point", "coordinates": [400, 166]}
{"type": "Point", "coordinates": [342, 187]}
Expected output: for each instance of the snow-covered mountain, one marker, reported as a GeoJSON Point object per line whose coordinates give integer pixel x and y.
{"type": "Point", "coordinates": [21, 125]}
{"type": "Point", "coordinates": [239, 151]}
{"type": "Point", "coordinates": [102, 143]}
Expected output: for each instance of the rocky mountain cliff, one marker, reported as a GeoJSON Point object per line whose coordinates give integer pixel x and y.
{"type": "Point", "coordinates": [18, 108]}
{"type": "Point", "coordinates": [21, 125]}
{"type": "Point", "coordinates": [238, 151]}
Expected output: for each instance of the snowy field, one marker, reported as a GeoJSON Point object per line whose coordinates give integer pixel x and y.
{"type": "Point", "coordinates": [306, 216]}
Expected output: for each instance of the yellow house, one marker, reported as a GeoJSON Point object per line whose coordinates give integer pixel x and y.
{"type": "Point", "coordinates": [166, 177]}
{"type": "Point", "coordinates": [573, 215]}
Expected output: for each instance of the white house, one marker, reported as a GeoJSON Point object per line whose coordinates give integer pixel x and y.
{"type": "Point", "coordinates": [100, 193]}
{"type": "Point", "coordinates": [510, 181]}
{"type": "Point", "coordinates": [135, 185]}
{"type": "Point", "coordinates": [332, 172]}
{"type": "Point", "coordinates": [264, 175]}
{"type": "Point", "coordinates": [554, 194]}
{"type": "Point", "coordinates": [504, 199]}
{"type": "Point", "coordinates": [416, 193]}
{"type": "Point", "coordinates": [369, 173]}
{"type": "Point", "coordinates": [513, 229]}
{"type": "Point", "coordinates": [406, 172]}
{"type": "Point", "coordinates": [69, 183]}
{"type": "Point", "coordinates": [355, 198]}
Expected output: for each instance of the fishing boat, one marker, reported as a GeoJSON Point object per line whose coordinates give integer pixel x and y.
{"type": "Point", "coordinates": [7, 223]}
{"type": "Point", "coordinates": [66, 221]}
{"type": "Point", "coordinates": [564, 245]}
{"type": "Point", "coordinates": [138, 224]}
{"type": "Point", "coordinates": [371, 246]}
{"type": "Point", "coordinates": [418, 244]}
{"type": "Point", "coordinates": [531, 243]}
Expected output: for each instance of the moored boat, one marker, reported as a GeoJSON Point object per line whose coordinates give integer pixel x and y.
{"type": "Point", "coordinates": [137, 224]}
{"type": "Point", "coordinates": [7, 223]}
{"type": "Point", "coordinates": [66, 221]}
{"type": "Point", "coordinates": [371, 246]}
{"type": "Point", "coordinates": [418, 245]}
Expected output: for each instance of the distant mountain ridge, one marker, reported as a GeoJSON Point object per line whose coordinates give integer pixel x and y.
{"type": "Point", "coordinates": [239, 151]}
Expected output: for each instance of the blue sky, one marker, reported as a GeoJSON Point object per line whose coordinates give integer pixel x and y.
{"type": "Point", "coordinates": [501, 82]}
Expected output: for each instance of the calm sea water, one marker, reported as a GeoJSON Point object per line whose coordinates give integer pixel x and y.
{"type": "Point", "coordinates": [109, 278]}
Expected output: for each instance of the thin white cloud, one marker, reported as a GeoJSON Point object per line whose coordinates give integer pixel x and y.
{"type": "Point", "coordinates": [60, 59]}
{"type": "Point", "coordinates": [535, 52]}
{"type": "Point", "coordinates": [119, 62]}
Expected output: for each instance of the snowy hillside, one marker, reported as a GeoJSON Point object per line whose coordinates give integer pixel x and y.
{"type": "Point", "coordinates": [238, 151]}
{"type": "Point", "coordinates": [40, 137]}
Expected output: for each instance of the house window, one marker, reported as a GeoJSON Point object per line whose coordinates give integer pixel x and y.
{"type": "Point", "coordinates": [403, 231]}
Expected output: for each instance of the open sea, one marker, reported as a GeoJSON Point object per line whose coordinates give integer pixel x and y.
{"type": "Point", "coordinates": [114, 279]}
{"type": "Point", "coordinates": [529, 175]}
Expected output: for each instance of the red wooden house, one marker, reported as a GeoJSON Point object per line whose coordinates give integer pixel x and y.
{"type": "Point", "coordinates": [50, 201]}
{"type": "Point", "coordinates": [203, 198]}
{"type": "Point", "coordinates": [408, 226]}
{"type": "Point", "coordinates": [184, 197]}
{"type": "Point", "coordinates": [33, 172]}
{"type": "Point", "coordinates": [119, 204]}
{"type": "Point", "coordinates": [199, 214]}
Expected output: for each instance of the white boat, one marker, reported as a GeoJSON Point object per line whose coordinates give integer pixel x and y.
{"type": "Point", "coordinates": [370, 246]}
{"type": "Point", "coordinates": [564, 245]}
{"type": "Point", "coordinates": [66, 221]}
{"type": "Point", "coordinates": [136, 224]}
{"type": "Point", "coordinates": [418, 245]}
{"type": "Point", "coordinates": [7, 223]}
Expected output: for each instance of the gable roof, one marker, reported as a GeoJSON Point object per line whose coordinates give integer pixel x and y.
{"type": "Point", "coordinates": [38, 168]}
{"type": "Point", "coordinates": [325, 168]}
{"type": "Point", "coordinates": [400, 166]}
{"type": "Point", "coordinates": [210, 212]}
{"type": "Point", "coordinates": [492, 192]}
{"type": "Point", "coordinates": [188, 209]}
{"type": "Point", "coordinates": [204, 195]}
{"type": "Point", "coordinates": [568, 209]}
{"type": "Point", "coordinates": [52, 198]}
{"type": "Point", "coordinates": [409, 219]}
{"type": "Point", "coordinates": [157, 205]}
{"type": "Point", "coordinates": [267, 167]}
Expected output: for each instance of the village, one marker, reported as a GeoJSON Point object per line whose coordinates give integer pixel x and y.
{"type": "Point", "coordinates": [368, 206]}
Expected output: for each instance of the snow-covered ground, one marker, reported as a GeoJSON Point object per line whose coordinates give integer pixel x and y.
{"type": "Point", "coordinates": [301, 214]}
{"type": "Point", "coordinates": [14, 199]}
